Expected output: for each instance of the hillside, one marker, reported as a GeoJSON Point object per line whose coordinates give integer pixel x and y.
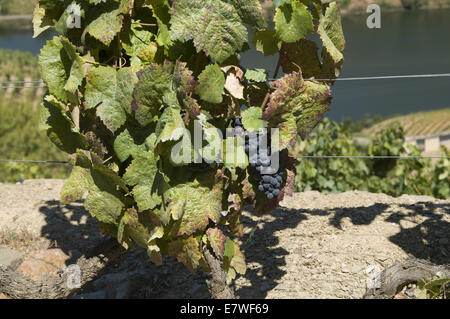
{"type": "Point", "coordinates": [19, 118]}
{"type": "Point", "coordinates": [17, 7]}
{"type": "Point", "coordinates": [416, 124]}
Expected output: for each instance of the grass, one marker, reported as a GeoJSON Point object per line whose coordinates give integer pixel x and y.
{"type": "Point", "coordinates": [16, 238]}
{"type": "Point", "coordinates": [416, 124]}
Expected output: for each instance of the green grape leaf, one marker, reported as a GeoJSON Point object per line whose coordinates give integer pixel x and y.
{"type": "Point", "coordinates": [213, 25]}
{"type": "Point", "coordinates": [139, 46]}
{"type": "Point", "coordinates": [217, 240]}
{"type": "Point", "coordinates": [41, 21]}
{"type": "Point", "coordinates": [110, 93]}
{"type": "Point", "coordinates": [238, 261]}
{"type": "Point", "coordinates": [59, 127]}
{"type": "Point", "coordinates": [211, 84]}
{"type": "Point", "coordinates": [154, 83]}
{"type": "Point", "coordinates": [125, 146]}
{"type": "Point", "coordinates": [250, 11]}
{"type": "Point", "coordinates": [293, 21]}
{"type": "Point", "coordinates": [76, 186]}
{"type": "Point", "coordinates": [202, 200]}
{"type": "Point", "coordinates": [62, 68]}
{"type": "Point", "coordinates": [233, 258]}
{"type": "Point", "coordinates": [332, 36]}
{"type": "Point", "coordinates": [106, 26]}
{"type": "Point", "coordinates": [170, 126]}
{"type": "Point", "coordinates": [256, 75]}
{"type": "Point", "coordinates": [105, 200]}
{"type": "Point", "coordinates": [251, 119]}
{"type": "Point", "coordinates": [267, 41]}
{"type": "Point", "coordinates": [141, 227]}
{"type": "Point", "coordinates": [141, 174]}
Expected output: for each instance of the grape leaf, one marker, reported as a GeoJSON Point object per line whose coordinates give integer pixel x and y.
{"type": "Point", "coordinates": [187, 251]}
{"type": "Point", "coordinates": [59, 127]}
{"type": "Point", "coordinates": [332, 36]}
{"type": "Point", "coordinates": [267, 41]}
{"type": "Point", "coordinates": [110, 93]}
{"type": "Point", "coordinates": [250, 11]}
{"type": "Point", "coordinates": [141, 227]}
{"type": "Point", "coordinates": [251, 119]}
{"type": "Point", "coordinates": [217, 240]}
{"type": "Point", "coordinates": [298, 101]}
{"type": "Point", "coordinates": [211, 84]}
{"type": "Point", "coordinates": [41, 21]}
{"type": "Point", "coordinates": [202, 200]}
{"type": "Point", "coordinates": [301, 54]}
{"type": "Point", "coordinates": [293, 21]}
{"type": "Point", "coordinates": [141, 174]}
{"type": "Point", "coordinates": [139, 46]}
{"type": "Point", "coordinates": [256, 75]}
{"type": "Point", "coordinates": [105, 200]}
{"type": "Point", "coordinates": [213, 25]}
{"type": "Point", "coordinates": [155, 81]}
{"type": "Point", "coordinates": [62, 68]}
{"type": "Point", "coordinates": [76, 185]}
{"type": "Point", "coordinates": [170, 126]}
{"type": "Point", "coordinates": [106, 26]}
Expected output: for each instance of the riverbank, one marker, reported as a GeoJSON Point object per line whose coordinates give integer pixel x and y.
{"type": "Point", "coordinates": [14, 20]}
{"type": "Point", "coordinates": [351, 7]}
{"type": "Point", "coordinates": [20, 22]}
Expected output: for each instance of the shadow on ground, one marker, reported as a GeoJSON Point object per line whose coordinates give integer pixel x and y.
{"type": "Point", "coordinates": [70, 228]}
{"type": "Point", "coordinates": [421, 241]}
{"type": "Point", "coordinates": [173, 280]}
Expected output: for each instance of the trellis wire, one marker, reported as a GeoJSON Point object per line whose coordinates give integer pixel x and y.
{"type": "Point", "coordinates": [304, 157]}
{"type": "Point", "coordinates": [363, 78]}
{"type": "Point", "coordinates": [22, 87]}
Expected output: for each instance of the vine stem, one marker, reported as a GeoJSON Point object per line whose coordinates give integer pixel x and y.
{"type": "Point", "coordinates": [277, 69]}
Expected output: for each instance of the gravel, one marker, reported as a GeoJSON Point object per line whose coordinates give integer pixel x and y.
{"type": "Point", "coordinates": [312, 246]}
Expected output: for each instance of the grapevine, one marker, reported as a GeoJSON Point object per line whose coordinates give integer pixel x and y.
{"type": "Point", "coordinates": [138, 78]}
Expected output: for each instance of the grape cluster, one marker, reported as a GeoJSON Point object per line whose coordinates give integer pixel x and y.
{"type": "Point", "coordinates": [259, 152]}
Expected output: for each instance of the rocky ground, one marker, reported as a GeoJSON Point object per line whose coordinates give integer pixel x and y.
{"type": "Point", "coordinates": [312, 246]}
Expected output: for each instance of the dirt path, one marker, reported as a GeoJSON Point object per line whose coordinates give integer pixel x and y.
{"type": "Point", "coordinates": [313, 246]}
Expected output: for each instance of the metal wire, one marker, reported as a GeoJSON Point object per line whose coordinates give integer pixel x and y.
{"type": "Point", "coordinates": [22, 87]}
{"type": "Point", "coordinates": [31, 161]}
{"type": "Point", "coordinates": [19, 82]}
{"type": "Point", "coordinates": [306, 157]}
{"type": "Point", "coordinates": [364, 78]}
{"type": "Point", "coordinates": [384, 77]}
{"type": "Point", "coordinates": [373, 157]}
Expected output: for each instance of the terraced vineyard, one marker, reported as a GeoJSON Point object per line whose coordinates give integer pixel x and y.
{"type": "Point", "coordinates": [19, 118]}
{"type": "Point", "coordinates": [416, 124]}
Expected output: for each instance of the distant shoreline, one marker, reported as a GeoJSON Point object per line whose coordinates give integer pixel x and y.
{"type": "Point", "coordinates": [16, 22]}
{"type": "Point", "coordinates": [16, 17]}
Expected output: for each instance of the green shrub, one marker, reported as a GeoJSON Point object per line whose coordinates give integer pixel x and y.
{"type": "Point", "coordinates": [393, 176]}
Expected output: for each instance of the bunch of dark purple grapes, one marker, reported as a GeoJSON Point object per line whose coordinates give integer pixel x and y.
{"type": "Point", "coordinates": [258, 149]}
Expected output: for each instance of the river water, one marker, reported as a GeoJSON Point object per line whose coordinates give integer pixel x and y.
{"type": "Point", "coordinates": [407, 43]}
